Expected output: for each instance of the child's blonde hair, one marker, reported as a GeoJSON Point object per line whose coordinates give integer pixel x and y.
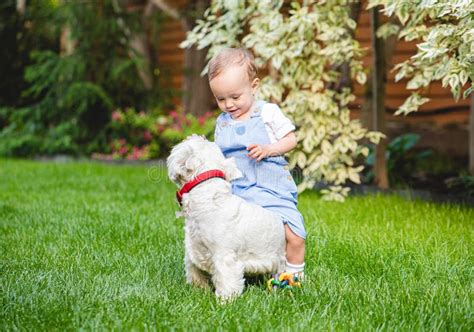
{"type": "Point", "coordinates": [232, 56]}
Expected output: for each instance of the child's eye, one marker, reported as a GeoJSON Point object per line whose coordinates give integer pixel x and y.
{"type": "Point", "coordinates": [235, 97]}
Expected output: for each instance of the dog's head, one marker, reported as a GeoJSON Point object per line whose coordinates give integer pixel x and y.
{"type": "Point", "coordinates": [195, 155]}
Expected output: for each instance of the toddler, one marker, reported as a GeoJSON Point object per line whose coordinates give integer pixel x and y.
{"type": "Point", "coordinates": [257, 134]}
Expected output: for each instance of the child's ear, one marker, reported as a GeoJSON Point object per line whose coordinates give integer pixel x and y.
{"type": "Point", "coordinates": [230, 169]}
{"type": "Point", "coordinates": [255, 84]}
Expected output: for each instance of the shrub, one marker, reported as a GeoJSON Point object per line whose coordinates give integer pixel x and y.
{"type": "Point", "coordinates": [139, 135]}
{"type": "Point", "coordinates": [302, 43]}
{"type": "Point", "coordinates": [463, 184]}
{"type": "Point", "coordinates": [70, 95]}
{"type": "Point", "coordinates": [401, 157]}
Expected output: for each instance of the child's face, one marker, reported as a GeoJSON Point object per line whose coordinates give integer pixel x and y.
{"type": "Point", "coordinates": [234, 92]}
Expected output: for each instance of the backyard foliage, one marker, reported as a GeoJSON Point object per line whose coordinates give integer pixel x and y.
{"type": "Point", "coordinates": [72, 92]}
{"type": "Point", "coordinates": [302, 45]}
{"type": "Point", "coordinates": [145, 135]}
{"type": "Point", "coordinates": [69, 65]}
{"type": "Point", "coordinates": [19, 36]}
{"type": "Point", "coordinates": [445, 29]}
{"type": "Point", "coordinates": [400, 157]}
{"type": "Point", "coordinates": [92, 247]}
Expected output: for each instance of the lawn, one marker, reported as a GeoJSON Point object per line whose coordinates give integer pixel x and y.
{"type": "Point", "coordinates": [88, 246]}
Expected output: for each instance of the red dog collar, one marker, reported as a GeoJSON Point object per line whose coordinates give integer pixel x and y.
{"type": "Point", "coordinates": [188, 186]}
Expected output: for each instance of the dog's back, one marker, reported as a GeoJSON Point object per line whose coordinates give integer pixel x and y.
{"type": "Point", "coordinates": [228, 225]}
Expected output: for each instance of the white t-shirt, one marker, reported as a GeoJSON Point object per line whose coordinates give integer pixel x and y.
{"type": "Point", "coordinates": [277, 125]}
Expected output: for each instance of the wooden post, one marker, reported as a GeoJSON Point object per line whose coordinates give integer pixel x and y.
{"type": "Point", "coordinates": [379, 80]}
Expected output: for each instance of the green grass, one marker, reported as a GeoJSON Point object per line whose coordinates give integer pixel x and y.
{"type": "Point", "coordinates": [87, 246]}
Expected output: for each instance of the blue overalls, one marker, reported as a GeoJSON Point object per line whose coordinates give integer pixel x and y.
{"type": "Point", "coordinates": [267, 183]}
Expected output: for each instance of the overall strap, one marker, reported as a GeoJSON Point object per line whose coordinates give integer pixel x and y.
{"type": "Point", "coordinates": [257, 108]}
{"type": "Point", "coordinates": [221, 118]}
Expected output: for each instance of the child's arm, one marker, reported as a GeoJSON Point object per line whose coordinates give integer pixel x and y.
{"type": "Point", "coordinates": [285, 144]}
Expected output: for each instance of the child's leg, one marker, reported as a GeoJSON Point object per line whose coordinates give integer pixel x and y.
{"type": "Point", "coordinates": [295, 247]}
{"type": "Point", "coordinates": [295, 250]}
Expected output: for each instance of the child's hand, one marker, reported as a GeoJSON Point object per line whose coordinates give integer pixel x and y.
{"type": "Point", "coordinates": [257, 151]}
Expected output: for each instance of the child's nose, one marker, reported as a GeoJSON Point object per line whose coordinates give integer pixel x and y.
{"type": "Point", "coordinates": [229, 103]}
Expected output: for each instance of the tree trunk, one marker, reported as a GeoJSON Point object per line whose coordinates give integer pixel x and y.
{"type": "Point", "coordinates": [471, 136]}
{"type": "Point", "coordinates": [345, 80]}
{"type": "Point", "coordinates": [197, 96]}
{"type": "Point", "coordinates": [21, 6]}
{"type": "Point", "coordinates": [66, 43]}
{"type": "Point", "coordinates": [166, 8]}
{"type": "Point", "coordinates": [389, 45]}
{"type": "Point", "coordinates": [379, 80]}
{"type": "Point", "coordinates": [140, 44]}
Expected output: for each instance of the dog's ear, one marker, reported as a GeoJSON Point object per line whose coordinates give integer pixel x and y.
{"type": "Point", "coordinates": [174, 170]}
{"type": "Point", "coordinates": [187, 170]}
{"type": "Point", "coordinates": [182, 164]}
{"type": "Point", "coordinates": [192, 167]}
{"type": "Point", "coordinates": [230, 169]}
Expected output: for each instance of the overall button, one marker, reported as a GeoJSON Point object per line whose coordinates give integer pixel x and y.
{"type": "Point", "coordinates": [240, 130]}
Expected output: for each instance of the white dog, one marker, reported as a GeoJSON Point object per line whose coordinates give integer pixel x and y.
{"type": "Point", "coordinates": [225, 236]}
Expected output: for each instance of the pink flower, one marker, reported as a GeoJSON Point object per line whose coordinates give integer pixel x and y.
{"type": "Point", "coordinates": [159, 128]}
{"type": "Point", "coordinates": [136, 152]}
{"type": "Point", "coordinates": [123, 150]}
{"type": "Point", "coordinates": [141, 114]}
{"type": "Point", "coordinates": [173, 114]}
{"type": "Point", "coordinates": [116, 144]}
{"type": "Point", "coordinates": [116, 116]}
{"type": "Point", "coordinates": [147, 136]}
{"type": "Point", "coordinates": [201, 120]}
{"type": "Point", "coordinates": [122, 141]}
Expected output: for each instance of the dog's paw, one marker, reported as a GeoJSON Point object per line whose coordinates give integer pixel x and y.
{"type": "Point", "coordinates": [224, 298]}
{"type": "Point", "coordinates": [197, 278]}
{"type": "Point", "coordinates": [204, 284]}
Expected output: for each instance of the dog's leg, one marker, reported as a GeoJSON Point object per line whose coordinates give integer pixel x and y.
{"type": "Point", "coordinates": [228, 277]}
{"type": "Point", "coordinates": [194, 275]}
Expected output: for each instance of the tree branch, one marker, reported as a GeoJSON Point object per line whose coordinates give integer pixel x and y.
{"type": "Point", "coordinates": [167, 9]}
